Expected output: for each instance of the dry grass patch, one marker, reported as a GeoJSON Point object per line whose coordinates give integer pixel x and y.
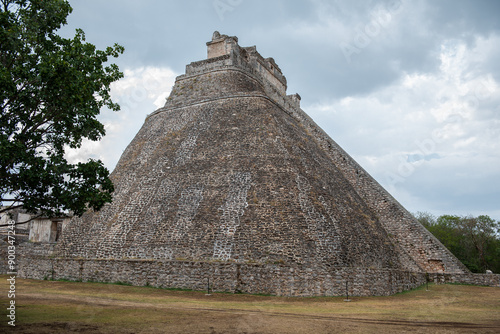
{"type": "Point", "coordinates": [54, 307]}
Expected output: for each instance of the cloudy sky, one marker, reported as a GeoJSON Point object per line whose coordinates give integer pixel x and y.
{"type": "Point", "coordinates": [410, 89]}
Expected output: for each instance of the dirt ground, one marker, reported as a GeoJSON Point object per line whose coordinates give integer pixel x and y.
{"type": "Point", "coordinates": [71, 307]}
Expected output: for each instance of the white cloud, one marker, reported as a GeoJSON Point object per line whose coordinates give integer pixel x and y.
{"type": "Point", "coordinates": [428, 79]}
{"type": "Point", "coordinates": [431, 131]}
{"type": "Point", "coordinates": [143, 84]}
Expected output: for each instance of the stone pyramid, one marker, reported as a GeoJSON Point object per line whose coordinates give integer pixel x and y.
{"type": "Point", "coordinates": [232, 183]}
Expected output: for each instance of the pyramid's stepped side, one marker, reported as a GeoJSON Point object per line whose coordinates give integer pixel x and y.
{"type": "Point", "coordinates": [423, 248]}
{"type": "Point", "coordinates": [403, 228]}
{"type": "Point", "coordinates": [231, 177]}
{"type": "Point", "coordinates": [414, 239]}
{"type": "Point", "coordinates": [232, 182]}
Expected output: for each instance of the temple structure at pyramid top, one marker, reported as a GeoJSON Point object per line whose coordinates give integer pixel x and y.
{"type": "Point", "coordinates": [227, 47]}
{"type": "Point", "coordinates": [232, 183]}
{"type": "Point", "coordinates": [224, 53]}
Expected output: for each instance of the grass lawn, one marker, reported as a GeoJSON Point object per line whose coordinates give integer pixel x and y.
{"type": "Point", "coordinates": [65, 307]}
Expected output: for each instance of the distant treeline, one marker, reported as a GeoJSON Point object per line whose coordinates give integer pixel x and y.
{"type": "Point", "coordinates": [473, 240]}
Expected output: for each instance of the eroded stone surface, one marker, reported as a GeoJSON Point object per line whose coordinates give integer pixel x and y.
{"type": "Point", "coordinates": [233, 177]}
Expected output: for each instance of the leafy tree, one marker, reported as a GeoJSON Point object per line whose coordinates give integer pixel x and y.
{"type": "Point", "coordinates": [425, 218]}
{"type": "Point", "coordinates": [473, 240]}
{"type": "Point", "coordinates": [480, 237]}
{"type": "Point", "coordinates": [51, 91]}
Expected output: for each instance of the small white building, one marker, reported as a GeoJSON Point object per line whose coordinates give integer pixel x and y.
{"type": "Point", "coordinates": [45, 229]}
{"type": "Point", "coordinates": [41, 229]}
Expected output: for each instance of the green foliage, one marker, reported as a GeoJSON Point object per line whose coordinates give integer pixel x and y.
{"type": "Point", "coordinates": [473, 240]}
{"type": "Point", "coordinates": [51, 91]}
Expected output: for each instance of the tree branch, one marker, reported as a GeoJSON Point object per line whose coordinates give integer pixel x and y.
{"type": "Point", "coordinates": [5, 5]}
{"type": "Point", "coordinates": [10, 208]}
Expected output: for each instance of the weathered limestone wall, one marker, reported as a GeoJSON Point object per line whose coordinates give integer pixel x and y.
{"type": "Point", "coordinates": [41, 230]}
{"type": "Point", "coordinates": [421, 251]}
{"type": "Point", "coordinates": [221, 45]}
{"type": "Point", "coordinates": [224, 53]}
{"type": "Point", "coordinates": [410, 236]}
{"type": "Point", "coordinates": [403, 228]}
{"type": "Point", "coordinates": [208, 194]}
{"type": "Point", "coordinates": [46, 229]}
{"type": "Point", "coordinates": [274, 279]}
{"type": "Point", "coordinates": [473, 279]}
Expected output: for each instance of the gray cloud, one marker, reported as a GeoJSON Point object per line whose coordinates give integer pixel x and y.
{"type": "Point", "coordinates": [381, 77]}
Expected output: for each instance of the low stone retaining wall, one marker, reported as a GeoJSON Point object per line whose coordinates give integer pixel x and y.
{"type": "Point", "coordinates": [473, 279]}
{"type": "Point", "coordinates": [275, 279]}
{"type": "Point", "coordinates": [35, 261]}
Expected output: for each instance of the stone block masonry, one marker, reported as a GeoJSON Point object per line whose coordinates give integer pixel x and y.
{"type": "Point", "coordinates": [231, 181]}
{"type": "Point", "coordinates": [273, 279]}
{"type": "Point", "coordinates": [232, 210]}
